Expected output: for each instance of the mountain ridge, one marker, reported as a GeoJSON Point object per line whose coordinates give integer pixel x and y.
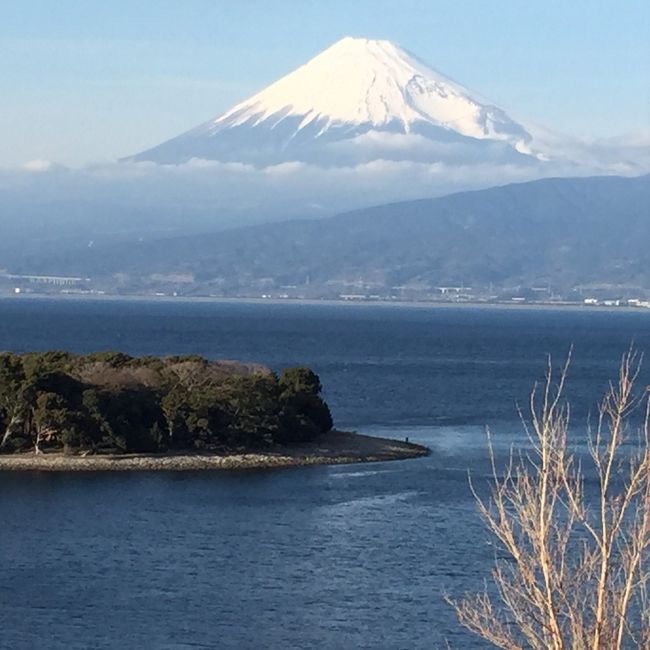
{"type": "Point", "coordinates": [559, 233]}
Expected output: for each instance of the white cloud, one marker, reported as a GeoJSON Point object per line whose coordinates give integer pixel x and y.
{"type": "Point", "coordinates": [206, 195]}
{"type": "Point", "coordinates": [39, 165]}
{"type": "Point", "coordinates": [627, 154]}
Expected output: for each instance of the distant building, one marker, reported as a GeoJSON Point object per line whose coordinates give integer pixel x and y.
{"type": "Point", "coordinates": [49, 279]}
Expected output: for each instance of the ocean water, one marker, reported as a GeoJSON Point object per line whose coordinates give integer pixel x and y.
{"type": "Point", "coordinates": [354, 556]}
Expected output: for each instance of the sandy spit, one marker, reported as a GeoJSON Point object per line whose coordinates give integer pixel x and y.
{"type": "Point", "coordinates": [334, 448]}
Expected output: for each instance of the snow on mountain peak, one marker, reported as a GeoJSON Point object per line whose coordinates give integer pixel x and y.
{"type": "Point", "coordinates": [361, 81]}
{"type": "Point", "coordinates": [360, 99]}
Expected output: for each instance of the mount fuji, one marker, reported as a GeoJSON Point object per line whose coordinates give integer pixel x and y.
{"type": "Point", "coordinates": [359, 100]}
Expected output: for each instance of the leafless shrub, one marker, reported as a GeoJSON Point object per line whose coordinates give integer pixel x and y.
{"type": "Point", "coordinates": [578, 567]}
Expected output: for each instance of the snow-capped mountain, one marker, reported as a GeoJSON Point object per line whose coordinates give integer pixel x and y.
{"type": "Point", "coordinates": [358, 100]}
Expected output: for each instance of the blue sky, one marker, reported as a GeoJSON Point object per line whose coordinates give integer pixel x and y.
{"type": "Point", "coordinates": [90, 80]}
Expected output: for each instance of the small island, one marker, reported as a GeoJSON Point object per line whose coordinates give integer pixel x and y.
{"type": "Point", "coordinates": [110, 411]}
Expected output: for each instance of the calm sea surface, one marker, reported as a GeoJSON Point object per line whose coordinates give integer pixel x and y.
{"type": "Point", "coordinates": [322, 557]}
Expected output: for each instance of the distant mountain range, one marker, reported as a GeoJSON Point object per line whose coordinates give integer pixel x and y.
{"type": "Point", "coordinates": [359, 100]}
{"type": "Point", "coordinates": [362, 123]}
{"type": "Point", "coordinates": [553, 233]}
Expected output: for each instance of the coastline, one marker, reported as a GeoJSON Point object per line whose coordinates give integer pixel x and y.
{"type": "Point", "coordinates": [334, 448]}
{"type": "Point", "coordinates": [421, 304]}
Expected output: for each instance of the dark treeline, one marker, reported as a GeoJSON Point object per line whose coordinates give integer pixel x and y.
{"type": "Point", "coordinates": [111, 402]}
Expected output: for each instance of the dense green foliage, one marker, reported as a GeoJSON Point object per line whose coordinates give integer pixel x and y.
{"type": "Point", "coordinates": [110, 401]}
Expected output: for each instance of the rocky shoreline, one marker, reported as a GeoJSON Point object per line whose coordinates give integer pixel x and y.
{"type": "Point", "coordinates": [335, 447]}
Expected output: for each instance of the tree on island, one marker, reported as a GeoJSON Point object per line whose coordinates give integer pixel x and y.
{"type": "Point", "coordinates": [110, 401]}
{"type": "Point", "coordinates": [576, 569]}
{"type": "Point", "coordinates": [12, 400]}
{"type": "Point", "coordinates": [303, 413]}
